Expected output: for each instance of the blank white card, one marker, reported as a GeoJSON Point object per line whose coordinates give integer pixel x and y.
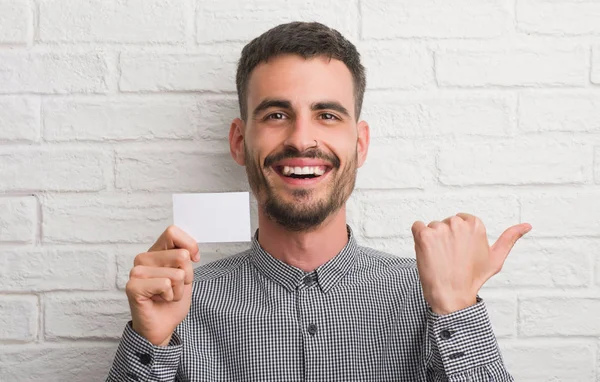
{"type": "Point", "coordinates": [213, 217]}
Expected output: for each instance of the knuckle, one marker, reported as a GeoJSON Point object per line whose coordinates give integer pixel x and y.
{"type": "Point", "coordinates": [183, 255]}
{"type": "Point", "coordinates": [135, 272]}
{"type": "Point", "coordinates": [455, 221]}
{"type": "Point", "coordinates": [425, 235]}
{"type": "Point", "coordinates": [129, 287]}
{"type": "Point", "coordinates": [479, 226]}
{"type": "Point", "coordinates": [179, 275]}
{"type": "Point", "coordinates": [139, 259]}
{"type": "Point", "coordinates": [171, 231]}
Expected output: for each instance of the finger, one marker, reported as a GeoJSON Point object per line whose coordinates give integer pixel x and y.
{"type": "Point", "coordinates": [176, 276]}
{"type": "Point", "coordinates": [173, 258]}
{"type": "Point", "coordinates": [146, 289]}
{"type": "Point", "coordinates": [417, 227]}
{"type": "Point", "coordinates": [175, 237]}
{"type": "Point", "coordinates": [507, 240]}
{"type": "Point", "coordinates": [434, 224]}
{"type": "Point", "coordinates": [466, 217]}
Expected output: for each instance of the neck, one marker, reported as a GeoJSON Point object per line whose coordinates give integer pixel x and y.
{"type": "Point", "coordinates": [304, 250]}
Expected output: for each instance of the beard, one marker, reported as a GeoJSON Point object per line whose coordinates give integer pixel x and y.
{"type": "Point", "coordinates": [303, 213]}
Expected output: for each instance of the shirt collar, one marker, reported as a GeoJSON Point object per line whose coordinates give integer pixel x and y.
{"type": "Point", "coordinates": [327, 275]}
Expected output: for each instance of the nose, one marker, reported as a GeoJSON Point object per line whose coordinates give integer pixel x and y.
{"type": "Point", "coordinates": [302, 135]}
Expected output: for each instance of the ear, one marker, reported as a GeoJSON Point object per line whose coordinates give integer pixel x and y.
{"type": "Point", "coordinates": [236, 141]}
{"type": "Point", "coordinates": [362, 146]}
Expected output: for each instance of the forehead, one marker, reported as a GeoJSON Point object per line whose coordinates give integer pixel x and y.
{"type": "Point", "coordinates": [301, 81]}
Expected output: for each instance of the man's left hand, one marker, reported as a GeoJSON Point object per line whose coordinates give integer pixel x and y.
{"type": "Point", "coordinates": [454, 259]}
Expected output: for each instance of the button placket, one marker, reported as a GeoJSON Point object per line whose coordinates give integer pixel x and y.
{"type": "Point", "coordinates": [446, 334]}
{"type": "Point", "coordinates": [144, 358]}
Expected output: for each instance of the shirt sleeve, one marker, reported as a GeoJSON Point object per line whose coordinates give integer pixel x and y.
{"type": "Point", "coordinates": [138, 360]}
{"type": "Point", "coordinates": [464, 347]}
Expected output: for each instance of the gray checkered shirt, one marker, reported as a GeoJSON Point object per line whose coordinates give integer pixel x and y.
{"type": "Point", "coordinates": [359, 317]}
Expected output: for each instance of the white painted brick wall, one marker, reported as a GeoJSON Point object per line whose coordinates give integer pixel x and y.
{"type": "Point", "coordinates": [108, 106]}
{"type": "Point", "coordinates": [112, 21]}
{"type": "Point", "coordinates": [15, 21]}
{"type": "Point", "coordinates": [596, 65]}
{"type": "Point", "coordinates": [18, 318]}
{"type": "Point", "coordinates": [20, 118]}
{"type": "Point", "coordinates": [512, 67]}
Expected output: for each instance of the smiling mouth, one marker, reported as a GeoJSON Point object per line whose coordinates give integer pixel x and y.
{"type": "Point", "coordinates": [306, 172]}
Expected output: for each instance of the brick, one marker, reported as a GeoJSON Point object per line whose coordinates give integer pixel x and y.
{"type": "Point", "coordinates": [573, 112]}
{"type": "Point", "coordinates": [353, 213]}
{"type": "Point", "coordinates": [178, 72]}
{"type": "Point", "coordinates": [558, 17]}
{"type": "Point", "coordinates": [596, 65]}
{"type": "Point", "coordinates": [49, 73]}
{"type": "Point", "coordinates": [426, 115]}
{"type": "Point", "coordinates": [130, 21]}
{"type": "Point", "coordinates": [120, 119]}
{"type": "Point", "coordinates": [15, 22]}
{"type": "Point", "coordinates": [178, 171]}
{"type": "Point", "coordinates": [430, 18]}
{"type": "Point", "coordinates": [549, 360]}
{"type": "Point", "coordinates": [18, 318]}
{"type": "Point", "coordinates": [577, 213]}
{"type": "Point", "coordinates": [216, 115]}
{"type": "Point", "coordinates": [515, 163]}
{"type": "Point", "coordinates": [85, 316]}
{"type": "Point", "coordinates": [106, 218]}
{"type": "Point", "coordinates": [19, 118]}
{"type": "Point", "coordinates": [387, 160]}
{"type": "Point", "coordinates": [56, 362]}
{"type": "Point", "coordinates": [46, 269]}
{"type": "Point", "coordinates": [512, 67]}
{"type": "Point", "coordinates": [502, 310]}
{"type": "Point", "coordinates": [597, 270]}
{"type": "Point", "coordinates": [54, 169]}
{"type": "Point", "coordinates": [557, 315]}
{"type": "Point", "coordinates": [547, 263]}
{"type": "Point", "coordinates": [397, 246]}
{"type": "Point", "coordinates": [597, 164]}
{"type": "Point", "coordinates": [385, 216]}
{"type": "Point", "coordinates": [18, 219]}
{"type": "Point", "coordinates": [253, 17]}
{"type": "Point", "coordinates": [391, 65]}
{"type": "Point", "coordinates": [208, 254]}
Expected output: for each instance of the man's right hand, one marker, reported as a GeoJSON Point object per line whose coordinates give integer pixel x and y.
{"type": "Point", "coordinates": [159, 289]}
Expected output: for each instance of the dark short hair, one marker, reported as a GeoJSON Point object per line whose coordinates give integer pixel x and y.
{"type": "Point", "coordinates": [305, 39]}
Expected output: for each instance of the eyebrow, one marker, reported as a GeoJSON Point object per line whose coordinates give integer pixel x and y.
{"type": "Point", "coordinates": [330, 105]}
{"type": "Point", "coordinates": [268, 103]}
{"type": "Point", "coordinates": [284, 104]}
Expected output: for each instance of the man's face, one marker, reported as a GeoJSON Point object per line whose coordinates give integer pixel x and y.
{"type": "Point", "coordinates": [301, 143]}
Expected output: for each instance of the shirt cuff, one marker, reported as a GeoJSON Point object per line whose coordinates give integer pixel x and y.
{"type": "Point", "coordinates": [137, 359]}
{"type": "Point", "coordinates": [462, 340]}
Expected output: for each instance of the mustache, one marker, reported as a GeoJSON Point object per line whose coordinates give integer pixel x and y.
{"type": "Point", "coordinates": [291, 153]}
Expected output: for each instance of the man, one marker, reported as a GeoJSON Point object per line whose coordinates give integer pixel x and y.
{"type": "Point", "coordinates": [305, 302]}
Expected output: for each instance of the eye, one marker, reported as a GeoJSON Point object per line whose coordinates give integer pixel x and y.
{"type": "Point", "coordinates": [328, 116]}
{"type": "Point", "coordinates": [276, 116]}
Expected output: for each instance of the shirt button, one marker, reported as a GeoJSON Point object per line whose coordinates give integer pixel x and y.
{"type": "Point", "coordinates": [310, 280]}
{"type": "Point", "coordinates": [145, 359]}
{"type": "Point", "coordinates": [312, 329]}
{"type": "Point", "coordinates": [445, 334]}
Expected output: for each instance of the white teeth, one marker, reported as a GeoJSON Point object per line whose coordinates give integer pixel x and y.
{"type": "Point", "coordinates": [306, 170]}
